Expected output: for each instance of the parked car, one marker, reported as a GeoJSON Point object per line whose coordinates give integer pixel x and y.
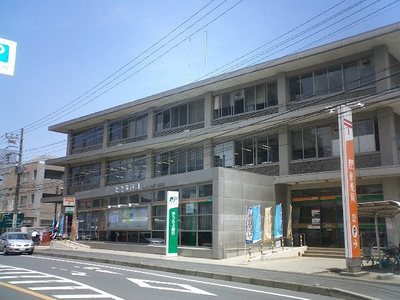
{"type": "Point", "coordinates": [16, 242]}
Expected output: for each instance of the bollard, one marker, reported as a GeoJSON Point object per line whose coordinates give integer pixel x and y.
{"type": "Point", "coordinates": [282, 245]}
{"type": "Point", "coordinates": [249, 254]}
{"type": "Point", "coordinates": [261, 249]}
{"type": "Point", "coordinates": [291, 241]}
{"type": "Point", "coordinates": [301, 241]}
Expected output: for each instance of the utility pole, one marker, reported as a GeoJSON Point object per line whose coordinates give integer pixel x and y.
{"type": "Point", "coordinates": [19, 172]}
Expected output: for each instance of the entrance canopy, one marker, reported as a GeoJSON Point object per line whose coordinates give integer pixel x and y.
{"type": "Point", "coordinates": [387, 209]}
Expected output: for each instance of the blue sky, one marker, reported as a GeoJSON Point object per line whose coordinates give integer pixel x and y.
{"type": "Point", "coordinates": [67, 47]}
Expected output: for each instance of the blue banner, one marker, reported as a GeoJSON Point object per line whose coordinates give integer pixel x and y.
{"type": "Point", "coordinates": [256, 223]}
{"type": "Point", "coordinates": [249, 226]}
{"type": "Point", "coordinates": [278, 231]}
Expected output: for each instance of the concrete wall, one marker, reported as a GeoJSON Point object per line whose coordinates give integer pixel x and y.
{"type": "Point", "coordinates": [233, 191]}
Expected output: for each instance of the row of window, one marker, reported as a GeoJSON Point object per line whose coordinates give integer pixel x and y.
{"type": "Point", "coordinates": [246, 100]}
{"type": "Point", "coordinates": [247, 152]}
{"type": "Point", "coordinates": [180, 115]}
{"type": "Point", "coordinates": [333, 79]}
{"type": "Point", "coordinates": [324, 141]}
{"type": "Point", "coordinates": [127, 129]}
{"type": "Point", "coordinates": [306, 143]}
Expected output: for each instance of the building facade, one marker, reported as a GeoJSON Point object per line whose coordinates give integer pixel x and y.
{"type": "Point", "coordinates": [262, 135]}
{"type": "Point", "coordinates": [38, 181]}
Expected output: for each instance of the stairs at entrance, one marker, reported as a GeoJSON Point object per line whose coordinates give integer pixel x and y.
{"type": "Point", "coordinates": [325, 252]}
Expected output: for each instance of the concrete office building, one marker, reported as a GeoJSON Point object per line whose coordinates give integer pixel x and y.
{"type": "Point", "coordinates": [260, 135]}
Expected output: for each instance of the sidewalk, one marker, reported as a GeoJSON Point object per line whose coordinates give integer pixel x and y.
{"type": "Point", "coordinates": [305, 274]}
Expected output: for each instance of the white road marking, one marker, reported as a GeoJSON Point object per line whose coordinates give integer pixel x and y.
{"type": "Point", "coordinates": [50, 288]}
{"type": "Point", "coordinates": [171, 277]}
{"type": "Point", "coordinates": [74, 273]}
{"type": "Point", "coordinates": [16, 272]}
{"type": "Point", "coordinates": [78, 286]}
{"type": "Point", "coordinates": [8, 277]}
{"type": "Point", "coordinates": [184, 288]}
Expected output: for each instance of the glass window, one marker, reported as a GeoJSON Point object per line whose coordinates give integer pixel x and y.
{"type": "Point", "coordinates": [205, 239]}
{"type": "Point", "coordinates": [173, 162]}
{"type": "Point", "coordinates": [309, 138]}
{"type": "Point", "coordinates": [260, 96]}
{"type": "Point", "coordinates": [324, 141]}
{"type": "Point", "coordinates": [238, 153]}
{"type": "Point", "coordinates": [350, 72]}
{"type": "Point", "coordinates": [249, 96]}
{"type": "Point", "coordinates": [192, 112]}
{"type": "Point", "coordinates": [189, 192]}
{"type": "Point", "coordinates": [248, 152]}
{"type": "Point", "coordinates": [135, 198]}
{"type": "Point", "coordinates": [183, 118]}
{"type": "Point", "coordinates": [181, 161]}
{"type": "Point", "coordinates": [200, 110]}
{"type": "Point", "coordinates": [205, 222]}
{"type": "Point", "coordinates": [272, 94]}
{"type": "Point", "coordinates": [157, 165]}
{"type": "Point", "coordinates": [166, 119]}
{"type": "Point", "coordinates": [189, 222]}
{"type": "Point", "coordinates": [191, 160]}
{"type": "Point", "coordinates": [146, 197]}
{"type": "Point", "coordinates": [205, 190]}
{"type": "Point", "coordinates": [115, 131]}
{"type": "Point", "coordinates": [294, 88]}
{"type": "Point", "coordinates": [159, 196]}
{"type": "Point", "coordinates": [159, 122]}
{"type": "Point", "coordinates": [175, 117]}
{"type": "Point", "coordinates": [113, 201]}
{"type": "Point", "coordinates": [217, 107]}
{"type": "Point", "coordinates": [321, 82]}
{"type": "Point", "coordinates": [189, 208]}
{"type": "Point", "coordinates": [226, 105]}
{"type": "Point", "coordinates": [367, 71]}
{"type": "Point", "coordinates": [223, 155]}
{"type": "Point", "coordinates": [238, 97]}
{"type": "Point", "coordinates": [165, 163]}
{"type": "Point", "coordinates": [262, 150]}
{"type": "Point", "coordinates": [205, 208]}
{"type": "Point", "coordinates": [297, 145]}
{"type": "Point", "coordinates": [273, 143]}
{"type": "Point", "coordinates": [199, 159]}
{"type": "Point", "coordinates": [188, 238]}
{"type": "Point", "coordinates": [307, 86]}
{"type": "Point", "coordinates": [335, 79]}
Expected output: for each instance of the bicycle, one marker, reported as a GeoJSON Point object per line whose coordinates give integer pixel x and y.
{"type": "Point", "coordinates": [391, 258]}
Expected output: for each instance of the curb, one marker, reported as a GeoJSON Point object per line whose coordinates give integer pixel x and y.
{"type": "Point", "coordinates": [304, 288]}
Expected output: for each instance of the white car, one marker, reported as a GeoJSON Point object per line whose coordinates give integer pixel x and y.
{"type": "Point", "coordinates": [16, 242]}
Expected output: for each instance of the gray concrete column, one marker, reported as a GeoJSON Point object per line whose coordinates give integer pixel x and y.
{"type": "Point", "coordinates": [282, 91]}
{"type": "Point", "coordinates": [284, 150]}
{"type": "Point", "coordinates": [69, 143]}
{"type": "Point", "coordinates": [150, 124]}
{"type": "Point", "coordinates": [208, 109]}
{"type": "Point", "coordinates": [103, 172]}
{"type": "Point", "coordinates": [281, 196]}
{"type": "Point", "coordinates": [382, 71]}
{"type": "Point", "coordinates": [387, 136]}
{"type": "Point", "coordinates": [208, 155]}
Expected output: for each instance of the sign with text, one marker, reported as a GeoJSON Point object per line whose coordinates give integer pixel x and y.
{"type": "Point", "coordinates": [8, 52]}
{"type": "Point", "coordinates": [349, 195]}
{"type": "Point", "coordinates": [69, 201]}
{"type": "Point", "coordinates": [172, 223]}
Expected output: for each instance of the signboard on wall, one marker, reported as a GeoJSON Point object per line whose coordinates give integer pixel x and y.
{"type": "Point", "coordinates": [172, 223]}
{"type": "Point", "coordinates": [69, 201]}
{"type": "Point", "coordinates": [8, 52]}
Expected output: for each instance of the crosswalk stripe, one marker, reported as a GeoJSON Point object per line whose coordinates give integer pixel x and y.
{"type": "Point", "coordinates": [17, 272]}
{"type": "Point", "coordinates": [50, 288]}
{"type": "Point", "coordinates": [8, 277]}
{"type": "Point", "coordinates": [37, 281]}
{"type": "Point", "coordinates": [81, 296]}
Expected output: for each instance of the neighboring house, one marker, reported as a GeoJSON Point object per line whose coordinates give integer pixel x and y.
{"type": "Point", "coordinates": [261, 135]}
{"type": "Point", "coordinates": [37, 181]}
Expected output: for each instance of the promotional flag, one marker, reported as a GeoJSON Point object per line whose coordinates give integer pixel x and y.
{"type": "Point", "coordinates": [278, 222]}
{"type": "Point", "coordinates": [289, 228]}
{"type": "Point", "coordinates": [249, 226]}
{"type": "Point", "coordinates": [256, 223]}
{"type": "Point", "coordinates": [267, 225]}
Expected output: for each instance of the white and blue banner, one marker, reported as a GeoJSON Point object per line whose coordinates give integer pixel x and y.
{"type": "Point", "coordinates": [278, 231]}
{"type": "Point", "coordinates": [253, 224]}
{"type": "Point", "coordinates": [256, 223]}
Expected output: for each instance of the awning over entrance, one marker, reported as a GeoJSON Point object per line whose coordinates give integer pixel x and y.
{"type": "Point", "coordinates": [386, 208]}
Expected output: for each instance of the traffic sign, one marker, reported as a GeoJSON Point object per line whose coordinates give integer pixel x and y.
{"type": "Point", "coordinates": [8, 52]}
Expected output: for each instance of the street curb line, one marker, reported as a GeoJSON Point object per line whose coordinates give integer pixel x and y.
{"type": "Point", "coordinates": [304, 288]}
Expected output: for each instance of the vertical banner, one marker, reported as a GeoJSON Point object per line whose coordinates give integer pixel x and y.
{"type": "Point", "coordinates": [349, 196]}
{"type": "Point", "coordinates": [289, 232]}
{"type": "Point", "coordinates": [172, 223]}
{"type": "Point", "coordinates": [8, 52]}
{"type": "Point", "coordinates": [61, 226]}
{"type": "Point", "coordinates": [267, 237]}
{"type": "Point", "coordinates": [256, 223]}
{"type": "Point", "coordinates": [278, 232]}
{"type": "Point", "coordinates": [249, 225]}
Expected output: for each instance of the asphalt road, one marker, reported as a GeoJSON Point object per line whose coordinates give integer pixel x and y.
{"type": "Point", "coordinates": [37, 277]}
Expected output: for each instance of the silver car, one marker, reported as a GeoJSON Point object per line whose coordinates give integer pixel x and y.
{"type": "Point", "coordinates": [16, 242]}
